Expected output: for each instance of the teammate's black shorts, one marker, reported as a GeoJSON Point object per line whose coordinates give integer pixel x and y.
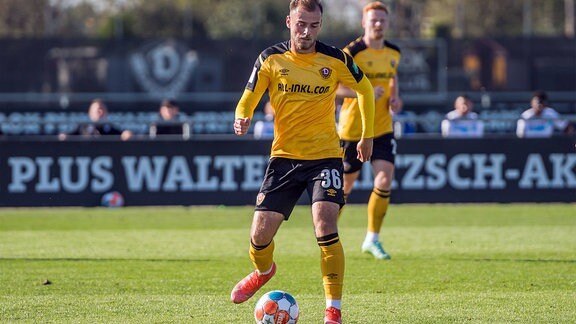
{"type": "Point", "coordinates": [286, 179]}
{"type": "Point", "coordinates": [384, 149]}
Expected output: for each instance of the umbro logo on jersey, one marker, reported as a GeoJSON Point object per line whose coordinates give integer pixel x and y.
{"type": "Point", "coordinates": [393, 63]}
{"type": "Point", "coordinates": [325, 72]}
{"type": "Point", "coordinates": [284, 71]}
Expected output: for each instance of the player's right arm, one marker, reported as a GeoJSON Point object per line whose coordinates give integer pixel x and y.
{"type": "Point", "coordinates": [394, 102]}
{"type": "Point", "coordinates": [357, 81]}
{"type": "Point", "coordinates": [366, 103]}
{"type": "Point", "coordinates": [255, 88]}
{"type": "Point", "coordinates": [245, 111]}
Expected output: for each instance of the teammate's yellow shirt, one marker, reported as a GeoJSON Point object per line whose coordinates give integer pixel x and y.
{"type": "Point", "coordinates": [380, 66]}
{"type": "Point", "coordinates": [302, 90]}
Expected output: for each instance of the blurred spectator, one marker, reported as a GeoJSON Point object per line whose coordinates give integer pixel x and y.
{"type": "Point", "coordinates": [462, 121]}
{"type": "Point", "coordinates": [98, 124]}
{"type": "Point", "coordinates": [170, 121]}
{"type": "Point", "coordinates": [264, 129]}
{"type": "Point", "coordinates": [540, 120]}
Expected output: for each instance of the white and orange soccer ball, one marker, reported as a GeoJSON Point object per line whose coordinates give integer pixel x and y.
{"type": "Point", "coordinates": [276, 307]}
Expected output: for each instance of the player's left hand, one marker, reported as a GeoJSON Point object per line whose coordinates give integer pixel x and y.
{"type": "Point", "coordinates": [364, 149]}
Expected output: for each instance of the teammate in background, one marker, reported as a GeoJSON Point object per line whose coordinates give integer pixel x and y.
{"type": "Point", "coordinates": [301, 76]}
{"type": "Point", "coordinates": [264, 129]}
{"type": "Point", "coordinates": [379, 59]}
{"type": "Point", "coordinates": [540, 120]}
{"type": "Point", "coordinates": [462, 121]}
{"type": "Point", "coordinates": [169, 122]}
{"type": "Point", "coordinates": [99, 124]}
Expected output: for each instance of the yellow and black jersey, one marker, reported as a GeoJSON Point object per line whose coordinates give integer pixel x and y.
{"type": "Point", "coordinates": [380, 66]}
{"type": "Point", "coordinates": [302, 90]}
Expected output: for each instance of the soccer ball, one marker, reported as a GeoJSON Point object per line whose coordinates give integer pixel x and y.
{"type": "Point", "coordinates": [112, 199]}
{"type": "Point", "coordinates": [276, 307]}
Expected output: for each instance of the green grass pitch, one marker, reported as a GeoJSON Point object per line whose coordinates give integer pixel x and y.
{"type": "Point", "coordinates": [473, 263]}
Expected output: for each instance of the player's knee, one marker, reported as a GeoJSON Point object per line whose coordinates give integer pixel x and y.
{"type": "Point", "coordinates": [383, 183]}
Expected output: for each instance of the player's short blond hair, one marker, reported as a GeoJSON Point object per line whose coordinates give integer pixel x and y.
{"type": "Point", "coordinates": [309, 5]}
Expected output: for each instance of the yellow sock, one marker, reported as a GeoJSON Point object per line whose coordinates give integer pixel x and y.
{"type": "Point", "coordinates": [377, 208]}
{"type": "Point", "coordinates": [262, 256]}
{"type": "Point", "coordinates": [332, 265]}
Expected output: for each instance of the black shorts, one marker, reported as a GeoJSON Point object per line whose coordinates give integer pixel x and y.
{"type": "Point", "coordinates": [384, 149]}
{"type": "Point", "coordinates": [286, 179]}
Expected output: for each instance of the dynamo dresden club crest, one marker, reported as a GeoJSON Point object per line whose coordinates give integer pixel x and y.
{"type": "Point", "coordinates": [163, 68]}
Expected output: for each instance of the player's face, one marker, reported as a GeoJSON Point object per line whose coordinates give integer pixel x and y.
{"type": "Point", "coordinates": [304, 28]}
{"type": "Point", "coordinates": [375, 23]}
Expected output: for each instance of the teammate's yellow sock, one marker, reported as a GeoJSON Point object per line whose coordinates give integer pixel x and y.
{"type": "Point", "coordinates": [332, 265]}
{"type": "Point", "coordinates": [377, 208]}
{"type": "Point", "coordinates": [262, 256]}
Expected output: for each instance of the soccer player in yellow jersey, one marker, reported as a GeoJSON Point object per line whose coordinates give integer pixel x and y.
{"type": "Point", "coordinates": [301, 76]}
{"type": "Point", "coordinates": [378, 59]}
